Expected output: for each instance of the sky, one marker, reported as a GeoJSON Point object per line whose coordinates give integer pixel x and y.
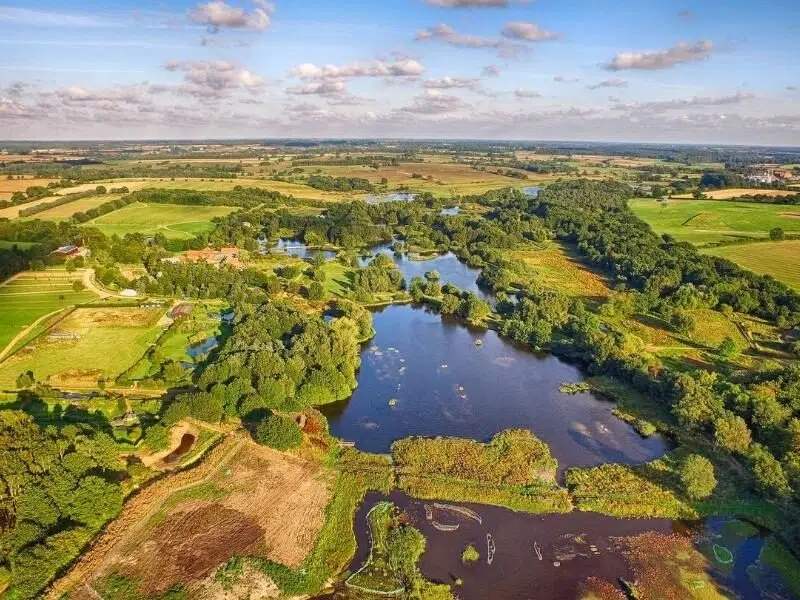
{"type": "Point", "coordinates": [662, 71]}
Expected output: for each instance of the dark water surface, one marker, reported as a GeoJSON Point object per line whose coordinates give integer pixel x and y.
{"type": "Point", "coordinates": [187, 441]}
{"type": "Point", "coordinates": [440, 382]}
{"type": "Point", "coordinates": [573, 547]}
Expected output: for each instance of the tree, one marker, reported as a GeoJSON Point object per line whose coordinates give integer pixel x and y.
{"type": "Point", "coordinates": [316, 291]}
{"type": "Point", "coordinates": [769, 475]}
{"type": "Point", "coordinates": [77, 286]}
{"type": "Point", "coordinates": [732, 433]}
{"type": "Point", "coordinates": [278, 431]}
{"type": "Point", "coordinates": [100, 189]}
{"type": "Point", "coordinates": [776, 234]}
{"type": "Point", "coordinates": [697, 477]}
{"type": "Point", "coordinates": [683, 322]}
{"type": "Point", "coordinates": [25, 380]}
{"type": "Point", "coordinates": [156, 437]}
{"type": "Point", "coordinates": [728, 348]}
{"type": "Point", "coordinates": [69, 266]}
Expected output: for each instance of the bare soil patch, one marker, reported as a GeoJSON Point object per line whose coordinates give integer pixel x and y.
{"type": "Point", "coordinates": [112, 317]}
{"type": "Point", "coordinates": [791, 215]}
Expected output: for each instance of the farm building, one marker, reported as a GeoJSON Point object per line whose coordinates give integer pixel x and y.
{"type": "Point", "coordinates": [181, 311]}
{"type": "Point", "coordinates": [223, 256]}
{"type": "Point", "coordinates": [70, 251]}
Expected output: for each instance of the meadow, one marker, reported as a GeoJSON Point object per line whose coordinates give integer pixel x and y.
{"type": "Point", "coordinates": [708, 221]}
{"type": "Point", "coordinates": [33, 295]}
{"type": "Point", "coordinates": [778, 259]}
{"type": "Point", "coordinates": [174, 221]}
{"type": "Point", "coordinates": [65, 211]}
{"type": "Point", "coordinates": [730, 193]}
{"type": "Point", "coordinates": [82, 361]}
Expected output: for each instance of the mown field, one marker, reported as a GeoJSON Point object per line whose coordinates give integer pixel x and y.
{"type": "Point", "coordinates": [107, 341]}
{"type": "Point", "coordinates": [708, 221]}
{"type": "Point", "coordinates": [30, 296]}
{"type": "Point", "coordinates": [174, 221]}
{"type": "Point", "coordinates": [9, 186]}
{"type": "Point", "coordinates": [729, 193]}
{"type": "Point", "coordinates": [65, 211]}
{"type": "Point", "coordinates": [781, 260]}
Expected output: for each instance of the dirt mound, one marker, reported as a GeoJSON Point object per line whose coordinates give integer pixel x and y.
{"type": "Point", "coordinates": [191, 544]}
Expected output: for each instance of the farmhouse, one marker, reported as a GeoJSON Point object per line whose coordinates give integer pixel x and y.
{"type": "Point", "coordinates": [223, 256]}
{"type": "Point", "coordinates": [70, 251]}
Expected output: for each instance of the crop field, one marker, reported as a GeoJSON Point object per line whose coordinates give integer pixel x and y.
{"type": "Point", "coordinates": [729, 193]}
{"type": "Point", "coordinates": [12, 212]}
{"type": "Point", "coordinates": [31, 296]}
{"type": "Point", "coordinates": [65, 211]}
{"type": "Point", "coordinates": [709, 221]}
{"type": "Point", "coordinates": [9, 186]}
{"type": "Point", "coordinates": [174, 221]}
{"type": "Point", "coordinates": [255, 502]}
{"type": "Point", "coordinates": [286, 188]}
{"type": "Point", "coordinates": [781, 260]}
{"type": "Point", "coordinates": [89, 345]}
{"type": "Point", "coordinates": [554, 268]}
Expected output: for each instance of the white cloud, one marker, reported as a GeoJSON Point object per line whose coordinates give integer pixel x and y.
{"type": "Point", "coordinates": [530, 32]}
{"type": "Point", "coordinates": [434, 102]}
{"type": "Point", "coordinates": [208, 79]}
{"type": "Point", "coordinates": [41, 18]}
{"type": "Point", "coordinates": [319, 88]}
{"type": "Point", "coordinates": [609, 83]}
{"type": "Point", "coordinates": [522, 93]}
{"type": "Point", "coordinates": [681, 104]}
{"type": "Point", "coordinates": [217, 15]}
{"type": "Point", "coordinates": [447, 83]}
{"type": "Point", "coordinates": [682, 52]}
{"type": "Point", "coordinates": [446, 34]}
{"type": "Point", "coordinates": [407, 67]}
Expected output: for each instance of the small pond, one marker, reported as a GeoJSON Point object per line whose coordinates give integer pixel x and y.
{"type": "Point", "coordinates": [450, 212]}
{"type": "Point", "coordinates": [298, 249]}
{"type": "Point", "coordinates": [390, 197]}
{"type": "Point", "coordinates": [531, 191]}
{"type": "Point", "coordinates": [440, 382]}
{"type": "Point", "coordinates": [204, 347]}
{"type": "Point", "coordinates": [451, 270]}
{"type": "Point", "coordinates": [550, 556]}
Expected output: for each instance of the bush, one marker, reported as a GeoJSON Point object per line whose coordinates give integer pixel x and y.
{"type": "Point", "coordinates": [470, 554]}
{"type": "Point", "coordinates": [279, 432]}
{"type": "Point", "coordinates": [156, 437]}
{"type": "Point", "coordinates": [697, 476]}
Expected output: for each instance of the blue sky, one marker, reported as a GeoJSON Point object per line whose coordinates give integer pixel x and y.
{"type": "Point", "coordinates": [714, 71]}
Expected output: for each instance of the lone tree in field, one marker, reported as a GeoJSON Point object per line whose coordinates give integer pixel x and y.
{"type": "Point", "coordinates": [777, 234]}
{"type": "Point", "coordinates": [279, 432]}
{"type": "Point", "coordinates": [697, 476]}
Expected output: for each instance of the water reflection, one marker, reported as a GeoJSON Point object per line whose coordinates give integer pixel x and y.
{"type": "Point", "coordinates": [424, 375]}
{"type": "Point", "coordinates": [389, 197]}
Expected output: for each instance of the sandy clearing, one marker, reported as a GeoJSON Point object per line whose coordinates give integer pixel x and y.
{"type": "Point", "coordinates": [175, 435]}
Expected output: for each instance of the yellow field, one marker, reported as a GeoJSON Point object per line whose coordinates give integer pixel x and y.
{"type": "Point", "coordinates": [12, 212]}
{"type": "Point", "coordinates": [297, 190]}
{"type": "Point", "coordinates": [9, 186]}
{"type": "Point", "coordinates": [729, 193]}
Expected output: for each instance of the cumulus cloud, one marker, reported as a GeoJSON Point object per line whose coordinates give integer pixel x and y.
{"type": "Point", "coordinates": [214, 78]}
{"type": "Point", "coordinates": [75, 94]}
{"type": "Point", "coordinates": [491, 71]}
{"type": "Point", "coordinates": [446, 34]}
{"type": "Point", "coordinates": [319, 88]}
{"type": "Point", "coordinates": [217, 15]}
{"type": "Point", "coordinates": [447, 83]}
{"type": "Point", "coordinates": [407, 67]}
{"type": "Point", "coordinates": [682, 52]}
{"type": "Point", "coordinates": [434, 102]}
{"type": "Point", "coordinates": [522, 93]}
{"type": "Point", "coordinates": [530, 32]}
{"type": "Point", "coordinates": [609, 83]}
{"type": "Point", "coordinates": [15, 90]}
{"type": "Point", "coordinates": [681, 104]}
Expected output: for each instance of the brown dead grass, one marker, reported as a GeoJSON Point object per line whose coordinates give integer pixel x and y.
{"type": "Point", "coordinates": [729, 193]}
{"type": "Point", "coordinates": [263, 503]}
{"type": "Point", "coordinates": [86, 318]}
{"type": "Point", "coordinates": [251, 584]}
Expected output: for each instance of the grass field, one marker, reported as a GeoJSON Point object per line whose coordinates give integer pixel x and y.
{"type": "Point", "coordinates": [30, 296]}
{"type": "Point", "coordinates": [555, 268]}
{"type": "Point", "coordinates": [65, 211]}
{"type": "Point", "coordinates": [20, 245]}
{"type": "Point", "coordinates": [729, 193]}
{"type": "Point", "coordinates": [709, 221]}
{"type": "Point", "coordinates": [107, 342]}
{"type": "Point", "coordinates": [779, 259]}
{"type": "Point", "coordinates": [174, 221]}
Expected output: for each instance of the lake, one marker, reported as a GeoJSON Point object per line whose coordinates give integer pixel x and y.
{"type": "Point", "coordinates": [451, 269]}
{"type": "Point", "coordinates": [298, 249]}
{"type": "Point", "coordinates": [389, 197]}
{"type": "Point", "coordinates": [440, 382]}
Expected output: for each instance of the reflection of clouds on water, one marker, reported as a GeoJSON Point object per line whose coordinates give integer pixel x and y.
{"type": "Point", "coordinates": [455, 405]}
{"type": "Point", "coordinates": [504, 361]}
{"type": "Point", "coordinates": [385, 363]}
{"type": "Point", "coordinates": [369, 424]}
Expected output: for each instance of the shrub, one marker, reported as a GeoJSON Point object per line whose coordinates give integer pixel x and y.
{"type": "Point", "coordinates": [470, 554]}
{"type": "Point", "coordinates": [697, 476]}
{"type": "Point", "coordinates": [279, 432]}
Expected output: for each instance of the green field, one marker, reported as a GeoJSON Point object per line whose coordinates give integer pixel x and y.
{"type": "Point", "coordinates": [65, 211]}
{"type": "Point", "coordinates": [30, 296]}
{"type": "Point", "coordinates": [174, 221]}
{"type": "Point", "coordinates": [107, 342]}
{"type": "Point", "coordinates": [20, 245]}
{"type": "Point", "coordinates": [708, 221]}
{"type": "Point", "coordinates": [779, 259]}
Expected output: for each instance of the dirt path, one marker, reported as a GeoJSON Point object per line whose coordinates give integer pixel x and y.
{"type": "Point", "coordinates": [25, 332]}
{"type": "Point", "coordinates": [136, 513]}
{"type": "Point", "coordinates": [90, 283]}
